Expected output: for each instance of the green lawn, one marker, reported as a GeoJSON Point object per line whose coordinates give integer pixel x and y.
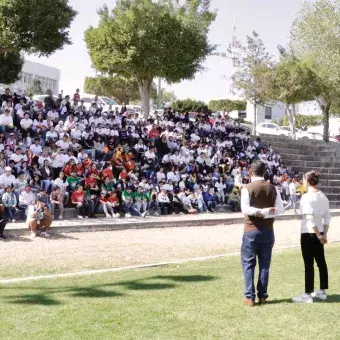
{"type": "Point", "coordinates": [200, 300]}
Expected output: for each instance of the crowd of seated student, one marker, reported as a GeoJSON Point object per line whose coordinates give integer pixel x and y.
{"type": "Point", "coordinates": [122, 164]}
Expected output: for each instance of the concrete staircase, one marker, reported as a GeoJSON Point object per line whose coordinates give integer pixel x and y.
{"type": "Point", "coordinates": [305, 155]}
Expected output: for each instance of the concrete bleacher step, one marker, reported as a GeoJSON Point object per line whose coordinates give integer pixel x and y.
{"type": "Point", "coordinates": [305, 155]}
{"type": "Point", "coordinates": [295, 157]}
{"type": "Point", "coordinates": [304, 152]}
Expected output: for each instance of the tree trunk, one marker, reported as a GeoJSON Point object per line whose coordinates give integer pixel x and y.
{"type": "Point", "coordinates": [292, 120]}
{"type": "Point", "coordinates": [325, 110]}
{"type": "Point", "coordinates": [325, 107]}
{"type": "Point", "coordinates": [144, 91]}
{"type": "Point", "coordinates": [255, 119]}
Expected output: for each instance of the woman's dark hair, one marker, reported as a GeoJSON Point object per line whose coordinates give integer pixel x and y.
{"type": "Point", "coordinates": [312, 177]}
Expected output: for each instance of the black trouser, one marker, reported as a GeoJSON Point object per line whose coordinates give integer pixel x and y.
{"type": "Point", "coordinates": [313, 249]}
{"type": "Point", "coordinates": [3, 223]}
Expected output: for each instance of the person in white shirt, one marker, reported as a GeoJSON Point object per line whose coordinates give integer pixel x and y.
{"type": "Point", "coordinates": [7, 179]}
{"type": "Point", "coordinates": [63, 144]}
{"type": "Point", "coordinates": [52, 134]}
{"type": "Point", "coordinates": [6, 120]}
{"type": "Point", "coordinates": [220, 186]}
{"type": "Point", "coordinates": [315, 222]}
{"type": "Point", "coordinates": [26, 198]}
{"type": "Point", "coordinates": [53, 114]}
{"type": "Point", "coordinates": [26, 123]}
{"type": "Point", "coordinates": [36, 147]}
{"type": "Point", "coordinates": [292, 196]}
{"type": "Point", "coordinates": [18, 157]}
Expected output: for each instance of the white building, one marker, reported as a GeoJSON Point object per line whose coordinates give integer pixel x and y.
{"type": "Point", "coordinates": [48, 76]}
{"type": "Point", "coordinates": [273, 111]}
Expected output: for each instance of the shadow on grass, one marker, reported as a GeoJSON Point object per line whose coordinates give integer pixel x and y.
{"type": "Point", "coordinates": [47, 298]}
{"type": "Point", "coordinates": [33, 299]}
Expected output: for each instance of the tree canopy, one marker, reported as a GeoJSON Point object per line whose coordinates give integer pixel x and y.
{"type": "Point", "coordinates": [252, 64]}
{"type": "Point", "coordinates": [10, 67]}
{"type": "Point", "coordinates": [315, 40]}
{"type": "Point", "coordinates": [292, 81]}
{"type": "Point", "coordinates": [35, 26]}
{"type": "Point", "coordinates": [145, 39]}
{"type": "Point", "coordinates": [227, 105]}
{"type": "Point", "coordinates": [32, 26]}
{"type": "Point", "coordinates": [190, 105]}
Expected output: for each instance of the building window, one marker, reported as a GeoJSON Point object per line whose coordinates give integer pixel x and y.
{"type": "Point", "coordinates": [267, 112]}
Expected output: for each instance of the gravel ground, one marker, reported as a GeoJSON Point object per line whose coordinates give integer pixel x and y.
{"type": "Point", "coordinates": [98, 250]}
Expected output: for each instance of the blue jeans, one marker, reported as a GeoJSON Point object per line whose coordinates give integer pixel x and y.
{"type": "Point", "coordinates": [256, 244]}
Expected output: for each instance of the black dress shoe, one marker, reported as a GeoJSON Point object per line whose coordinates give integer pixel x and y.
{"type": "Point", "coordinates": [3, 237]}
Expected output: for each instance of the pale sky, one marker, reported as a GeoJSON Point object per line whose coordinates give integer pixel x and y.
{"type": "Point", "coordinates": [272, 19]}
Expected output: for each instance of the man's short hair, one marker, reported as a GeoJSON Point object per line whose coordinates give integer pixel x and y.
{"type": "Point", "coordinates": [258, 168]}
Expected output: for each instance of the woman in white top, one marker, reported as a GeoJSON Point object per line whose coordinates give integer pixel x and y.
{"type": "Point", "coordinates": [316, 217]}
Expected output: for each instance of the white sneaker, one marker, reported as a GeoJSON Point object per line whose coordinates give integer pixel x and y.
{"type": "Point", "coordinates": [304, 298]}
{"type": "Point", "coordinates": [108, 216]}
{"type": "Point", "coordinates": [117, 215]}
{"type": "Point", "coordinates": [33, 235]}
{"type": "Point", "coordinates": [13, 221]}
{"type": "Point", "coordinates": [81, 217]}
{"type": "Point", "coordinates": [320, 294]}
{"type": "Point", "coordinates": [144, 214]}
{"type": "Point", "coordinates": [60, 217]}
{"type": "Point", "coordinates": [44, 234]}
{"type": "Point", "coordinates": [127, 215]}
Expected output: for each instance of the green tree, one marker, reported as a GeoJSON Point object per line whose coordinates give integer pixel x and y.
{"type": "Point", "coordinates": [292, 81]}
{"type": "Point", "coordinates": [169, 96]}
{"type": "Point", "coordinates": [252, 64]}
{"type": "Point", "coordinates": [142, 39]}
{"type": "Point", "coordinates": [303, 122]}
{"type": "Point", "coordinates": [35, 88]}
{"type": "Point", "coordinates": [10, 67]}
{"type": "Point", "coordinates": [227, 105]}
{"type": "Point", "coordinates": [31, 26]}
{"type": "Point", "coordinates": [190, 105]}
{"type": "Point", "coordinates": [315, 40]}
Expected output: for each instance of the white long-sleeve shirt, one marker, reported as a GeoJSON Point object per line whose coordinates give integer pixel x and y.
{"type": "Point", "coordinates": [251, 211]}
{"type": "Point", "coordinates": [314, 207]}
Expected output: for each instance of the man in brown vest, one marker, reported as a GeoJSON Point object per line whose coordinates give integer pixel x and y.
{"type": "Point", "coordinates": [260, 202]}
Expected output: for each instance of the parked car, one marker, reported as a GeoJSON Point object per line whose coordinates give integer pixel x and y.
{"type": "Point", "coordinates": [319, 136]}
{"type": "Point", "coordinates": [271, 129]}
{"type": "Point", "coordinates": [103, 102]}
{"type": "Point", "coordinates": [299, 133]}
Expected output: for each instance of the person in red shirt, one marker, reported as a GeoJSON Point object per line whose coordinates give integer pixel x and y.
{"type": "Point", "coordinates": [70, 167]}
{"type": "Point", "coordinates": [107, 172]}
{"type": "Point", "coordinates": [92, 183]}
{"type": "Point", "coordinates": [113, 200]}
{"type": "Point", "coordinates": [76, 96]}
{"type": "Point", "coordinates": [124, 174]}
{"type": "Point", "coordinates": [80, 170]}
{"type": "Point", "coordinates": [93, 170]}
{"type": "Point", "coordinates": [154, 132]}
{"type": "Point", "coordinates": [78, 198]}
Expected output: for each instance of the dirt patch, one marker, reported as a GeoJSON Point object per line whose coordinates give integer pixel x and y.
{"type": "Point", "coordinates": [98, 250]}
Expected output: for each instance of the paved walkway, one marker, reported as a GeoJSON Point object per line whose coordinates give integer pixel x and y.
{"type": "Point", "coordinates": [103, 224]}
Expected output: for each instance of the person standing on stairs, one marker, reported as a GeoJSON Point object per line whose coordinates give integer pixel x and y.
{"type": "Point", "coordinates": [292, 196]}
